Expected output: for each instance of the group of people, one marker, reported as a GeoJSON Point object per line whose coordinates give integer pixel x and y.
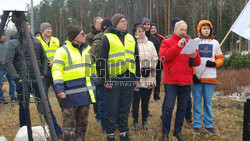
{"type": "Point", "coordinates": [113, 69]}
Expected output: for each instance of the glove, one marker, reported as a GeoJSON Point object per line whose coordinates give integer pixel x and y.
{"type": "Point", "coordinates": [145, 72]}
{"type": "Point", "coordinates": [191, 62]}
{"type": "Point", "coordinates": [210, 64]}
{"type": "Point", "coordinates": [196, 79]}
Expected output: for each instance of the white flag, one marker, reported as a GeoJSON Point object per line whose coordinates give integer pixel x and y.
{"type": "Point", "coordinates": [242, 25]}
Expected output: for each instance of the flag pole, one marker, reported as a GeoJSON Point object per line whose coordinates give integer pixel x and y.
{"type": "Point", "coordinates": [216, 51]}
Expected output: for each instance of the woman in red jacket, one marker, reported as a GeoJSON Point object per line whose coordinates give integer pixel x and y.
{"type": "Point", "coordinates": [178, 78]}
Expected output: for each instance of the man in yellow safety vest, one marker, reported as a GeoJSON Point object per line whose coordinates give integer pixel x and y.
{"type": "Point", "coordinates": [74, 77]}
{"type": "Point", "coordinates": [120, 68]}
{"type": "Point", "coordinates": [50, 45]}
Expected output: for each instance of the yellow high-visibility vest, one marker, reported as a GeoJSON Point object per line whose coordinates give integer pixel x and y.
{"type": "Point", "coordinates": [121, 57]}
{"type": "Point", "coordinates": [69, 64]}
{"type": "Point", "coordinates": [51, 49]}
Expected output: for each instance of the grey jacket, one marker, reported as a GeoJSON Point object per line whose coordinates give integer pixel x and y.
{"type": "Point", "coordinates": [2, 53]}
{"type": "Point", "coordinates": [13, 58]}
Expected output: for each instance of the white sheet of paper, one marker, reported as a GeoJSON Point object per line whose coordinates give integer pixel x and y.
{"type": "Point", "coordinates": [191, 46]}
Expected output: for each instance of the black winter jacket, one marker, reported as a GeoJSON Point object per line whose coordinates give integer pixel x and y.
{"type": "Point", "coordinates": [13, 58]}
{"type": "Point", "coordinates": [155, 41]}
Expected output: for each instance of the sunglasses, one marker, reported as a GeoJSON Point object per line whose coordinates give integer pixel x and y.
{"type": "Point", "coordinates": [82, 34]}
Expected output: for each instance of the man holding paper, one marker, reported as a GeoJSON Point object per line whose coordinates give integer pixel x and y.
{"type": "Point", "coordinates": [178, 74]}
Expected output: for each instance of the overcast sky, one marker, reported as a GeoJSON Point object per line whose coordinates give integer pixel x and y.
{"type": "Point", "coordinates": [15, 4]}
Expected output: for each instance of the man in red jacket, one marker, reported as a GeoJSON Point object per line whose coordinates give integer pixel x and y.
{"type": "Point", "coordinates": [178, 78]}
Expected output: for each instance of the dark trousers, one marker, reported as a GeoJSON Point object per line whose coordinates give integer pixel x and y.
{"type": "Point", "coordinates": [22, 119]}
{"type": "Point", "coordinates": [144, 95]}
{"type": "Point", "coordinates": [95, 105]}
{"type": "Point", "coordinates": [117, 105]}
{"type": "Point", "coordinates": [188, 114]}
{"type": "Point", "coordinates": [158, 82]}
{"type": "Point", "coordinates": [172, 92]}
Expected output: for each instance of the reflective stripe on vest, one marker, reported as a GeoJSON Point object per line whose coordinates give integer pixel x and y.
{"type": "Point", "coordinates": [91, 89]}
{"type": "Point", "coordinates": [121, 57]}
{"type": "Point", "coordinates": [51, 49]}
{"type": "Point", "coordinates": [79, 90]}
{"type": "Point", "coordinates": [72, 66]}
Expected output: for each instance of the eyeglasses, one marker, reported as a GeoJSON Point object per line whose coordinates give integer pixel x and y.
{"type": "Point", "coordinates": [123, 21]}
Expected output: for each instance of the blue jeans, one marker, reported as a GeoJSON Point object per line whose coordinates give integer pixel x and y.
{"type": "Point", "coordinates": [205, 91]}
{"type": "Point", "coordinates": [101, 103]}
{"type": "Point", "coordinates": [171, 92]}
{"type": "Point", "coordinates": [22, 119]}
{"type": "Point", "coordinates": [11, 85]}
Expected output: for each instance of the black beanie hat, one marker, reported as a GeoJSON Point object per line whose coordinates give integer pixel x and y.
{"type": "Point", "coordinates": [73, 31]}
{"type": "Point", "coordinates": [116, 18]}
{"type": "Point", "coordinates": [174, 21]}
{"type": "Point", "coordinates": [105, 24]}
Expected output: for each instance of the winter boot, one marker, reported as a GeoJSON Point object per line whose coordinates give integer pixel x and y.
{"type": "Point", "coordinates": [124, 136]}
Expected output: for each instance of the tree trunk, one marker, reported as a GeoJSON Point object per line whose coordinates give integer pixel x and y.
{"type": "Point", "coordinates": [220, 12]}
{"type": "Point", "coordinates": [81, 12]}
{"type": "Point", "coordinates": [218, 17]}
{"type": "Point", "coordinates": [157, 13]}
{"type": "Point", "coordinates": [194, 17]}
{"type": "Point", "coordinates": [150, 10]}
{"type": "Point", "coordinates": [166, 19]}
{"type": "Point", "coordinates": [169, 27]}
{"type": "Point", "coordinates": [147, 8]}
{"type": "Point", "coordinates": [201, 9]}
{"type": "Point", "coordinates": [134, 10]}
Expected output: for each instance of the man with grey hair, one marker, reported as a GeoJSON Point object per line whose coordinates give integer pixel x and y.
{"type": "Point", "coordinates": [178, 78]}
{"type": "Point", "coordinates": [95, 32]}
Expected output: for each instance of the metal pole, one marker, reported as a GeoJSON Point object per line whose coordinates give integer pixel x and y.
{"type": "Point", "coordinates": [38, 78]}
{"type": "Point", "coordinates": [248, 46]}
{"type": "Point", "coordinates": [240, 38]}
{"type": "Point", "coordinates": [4, 18]}
{"type": "Point", "coordinates": [32, 18]}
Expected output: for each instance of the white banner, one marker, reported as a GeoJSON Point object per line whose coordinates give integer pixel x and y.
{"type": "Point", "coordinates": [242, 25]}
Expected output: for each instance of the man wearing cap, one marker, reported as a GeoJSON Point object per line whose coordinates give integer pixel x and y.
{"type": "Point", "coordinates": [18, 58]}
{"type": "Point", "coordinates": [147, 24]}
{"type": "Point", "coordinates": [50, 45]}
{"type": "Point", "coordinates": [188, 115]}
{"type": "Point", "coordinates": [74, 76]}
{"type": "Point", "coordinates": [175, 20]}
{"type": "Point", "coordinates": [178, 78]}
{"type": "Point", "coordinates": [120, 68]}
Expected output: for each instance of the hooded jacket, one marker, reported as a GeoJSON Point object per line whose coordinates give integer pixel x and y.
{"type": "Point", "coordinates": [13, 58]}
{"type": "Point", "coordinates": [2, 53]}
{"type": "Point", "coordinates": [175, 65]}
{"type": "Point", "coordinates": [207, 48]}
